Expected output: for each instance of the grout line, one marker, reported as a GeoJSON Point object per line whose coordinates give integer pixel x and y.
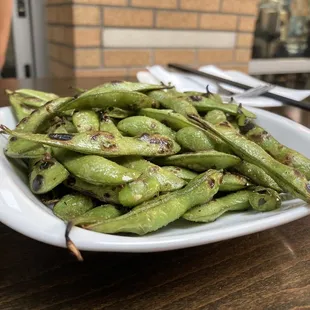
{"type": "Point", "coordinates": [154, 18]}
{"type": "Point", "coordinates": [177, 9]}
{"type": "Point", "coordinates": [101, 38]}
{"type": "Point", "coordinates": [179, 5]}
{"type": "Point", "coordinates": [152, 57]}
{"type": "Point", "coordinates": [221, 5]}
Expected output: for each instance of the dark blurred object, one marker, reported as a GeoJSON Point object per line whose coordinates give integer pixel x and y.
{"type": "Point", "coordinates": [307, 50]}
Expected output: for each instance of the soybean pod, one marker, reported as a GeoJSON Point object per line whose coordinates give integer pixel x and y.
{"type": "Point", "coordinates": [86, 121]}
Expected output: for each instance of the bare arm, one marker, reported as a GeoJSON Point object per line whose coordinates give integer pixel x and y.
{"type": "Point", "coordinates": [6, 7]}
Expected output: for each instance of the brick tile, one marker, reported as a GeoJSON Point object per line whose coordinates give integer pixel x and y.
{"type": "Point", "coordinates": [218, 22]}
{"type": "Point", "coordinates": [244, 40]}
{"type": "Point", "coordinates": [243, 55]}
{"type": "Point", "coordinates": [103, 2]}
{"type": "Point", "coordinates": [164, 56]}
{"type": "Point", "coordinates": [59, 70]}
{"type": "Point", "coordinates": [132, 72]}
{"type": "Point", "coordinates": [240, 6]}
{"type": "Point", "coordinates": [119, 73]}
{"type": "Point", "coordinates": [87, 58]}
{"type": "Point", "coordinates": [87, 37]}
{"type": "Point", "coordinates": [127, 17]}
{"type": "Point", "coordinates": [66, 55]}
{"type": "Point", "coordinates": [200, 5]}
{"type": "Point", "coordinates": [214, 56]}
{"type": "Point", "coordinates": [238, 67]}
{"type": "Point", "coordinates": [163, 4]}
{"type": "Point", "coordinates": [167, 19]}
{"type": "Point", "coordinates": [86, 15]}
{"type": "Point", "coordinates": [126, 58]}
{"type": "Point", "coordinates": [247, 23]}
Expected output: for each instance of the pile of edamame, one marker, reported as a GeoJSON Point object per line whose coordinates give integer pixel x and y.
{"type": "Point", "coordinates": [131, 158]}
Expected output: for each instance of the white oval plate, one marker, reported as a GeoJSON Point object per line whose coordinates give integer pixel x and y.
{"type": "Point", "coordinates": [22, 211]}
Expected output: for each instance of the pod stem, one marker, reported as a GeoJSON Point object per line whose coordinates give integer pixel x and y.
{"type": "Point", "coordinates": [70, 245]}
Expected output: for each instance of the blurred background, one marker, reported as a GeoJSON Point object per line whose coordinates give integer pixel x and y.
{"type": "Point", "coordinates": [269, 39]}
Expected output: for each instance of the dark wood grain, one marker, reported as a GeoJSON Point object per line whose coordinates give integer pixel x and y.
{"type": "Point", "coordinates": [267, 270]}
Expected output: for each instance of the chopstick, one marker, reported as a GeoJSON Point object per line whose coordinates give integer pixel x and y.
{"type": "Point", "coordinates": [305, 104]}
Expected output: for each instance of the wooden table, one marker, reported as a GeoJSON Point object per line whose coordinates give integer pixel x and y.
{"type": "Point", "coordinates": [267, 270]}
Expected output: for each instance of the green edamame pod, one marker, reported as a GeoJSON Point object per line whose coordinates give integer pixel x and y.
{"type": "Point", "coordinates": [212, 210]}
{"type": "Point", "coordinates": [104, 212]}
{"type": "Point", "coordinates": [20, 110]}
{"type": "Point", "coordinates": [95, 169]}
{"type": "Point", "coordinates": [280, 152]}
{"type": "Point", "coordinates": [72, 205]}
{"type": "Point", "coordinates": [174, 101]}
{"type": "Point", "coordinates": [117, 112]}
{"type": "Point", "coordinates": [290, 179]}
{"type": "Point", "coordinates": [201, 161]}
{"type": "Point", "coordinates": [233, 182]}
{"type": "Point", "coordinates": [157, 213]}
{"type": "Point", "coordinates": [86, 121]}
{"type": "Point", "coordinates": [103, 143]}
{"type": "Point", "coordinates": [182, 173]}
{"type": "Point", "coordinates": [203, 104]}
{"type": "Point", "coordinates": [63, 125]}
{"type": "Point", "coordinates": [120, 99]}
{"type": "Point", "coordinates": [46, 175]}
{"type": "Point", "coordinates": [194, 139]}
{"type": "Point", "coordinates": [20, 148]}
{"type": "Point", "coordinates": [138, 125]}
{"type": "Point", "coordinates": [215, 117]}
{"type": "Point", "coordinates": [138, 191]}
{"type": "Point", "coordinates": [168, 181]}
{"type": "Point", "coordinates": [152, 181]}
{"type": "Point", "coordinates": [257, 175]}
{"type": "Point", "coordinates": [264, 199]}
{"type": "Point", "coordinates": [105, 193]}
{"type": "Point", "coordinates": [42, 96]}
{"type": "Point", "coordinates": [177, 121]}
{"type": "Point", "coordinates": [122, 86]}
{"type": "Point", "coordinates": [106, 124]}
{"type": "Point", "coordinates": [38, 120]}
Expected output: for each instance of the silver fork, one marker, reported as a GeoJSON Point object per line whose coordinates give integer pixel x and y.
{"type": "Point", "coordinates": [252, 92]}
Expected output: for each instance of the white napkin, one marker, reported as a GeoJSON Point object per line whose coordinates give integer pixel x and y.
{"type": "Point", "coordinates": [187, 82]}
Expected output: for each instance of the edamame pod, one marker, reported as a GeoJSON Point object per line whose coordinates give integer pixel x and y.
{"type": "Point", "coordinates": [95, 169]}
{"type": "Point", "coordinates": [122, 86]}
{"type": "Point", "coordinates": [264, 199]}
{"type": "Point", "coordinates": [120, 99]}
{"type": "Point", "coordinates": [72, 205]}
{"type": "Point", "coordinates": [106, 124]}
{"type": "Point", "coordinates": [105, 193]}
{"type": "Point", "coordinates": [152, 181]}
{"type": "Point", "coordinates": [138, 191]}
{"type": "Point", "coordinates": [182, 173]}
{"type": "Point", "coordinates": [203, 104]}
{"type": "Point", "coordinates": [257, 175]}
{"type": "Point", "coordinates": [117, 112]}
{"type": "Point", "coordinates": [46, 175]}
{"type": "Point", "coordinates": [289, 179]}
{"type": "Point", "coordinates": [215, 117]}
{"type": "Point", "coordinates": [174, 101]}
{"type": "Point", "coordinates": [20, 148]}
{"type": "Point", "coordinates": [103, 143]}
{"type": "Point", "coordinates": [212, 210]}
{"type": "Point", "coordinates": [104, 212]}
{"type": "Point", "coordinates": [194, 139]}
{"type": "Point", "coordinates": [138, 125]}
{"type": "Point", "coordinates": [86, 120]}
{"type": "Point", "coordinates": [233, 182]}
{"type": "Point", "coordinates": [280, 152]}
{"type": "Point", "coordinates": [20, 110]}
{"type": "Point", "coordinates": [201, 161]}
{"type": "Point", "coordinates": [42, 96]}
{"type": "Point", "coordinates": [159, 212]}
{"type": "Point", "coordinates": [177, 121]}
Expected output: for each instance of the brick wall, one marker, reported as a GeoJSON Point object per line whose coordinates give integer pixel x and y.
{"type": "Point", "coordinates": [119, 37]}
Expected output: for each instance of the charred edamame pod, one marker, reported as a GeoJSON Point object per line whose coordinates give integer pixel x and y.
{"type": "Point", "coordinates": [233, 182]}
{"type": "Point", "coordinates": [264, 199]}
{"type": "Point", "coordinates": [46, 174]}
{"type": "Point", "coordinates": [86, 121]}
{"type": "Point", "coordinates": [212, 210]}
{"type": "Point", "coordinates": [201, 161]}
{"type": "Point", "coordinates": [181, 172]}
{"type": "Point", "coordinates": [138, 125]}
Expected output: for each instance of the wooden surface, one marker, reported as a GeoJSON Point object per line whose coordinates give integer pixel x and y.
{"type": "Point", "coordinates": [267, 270]}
